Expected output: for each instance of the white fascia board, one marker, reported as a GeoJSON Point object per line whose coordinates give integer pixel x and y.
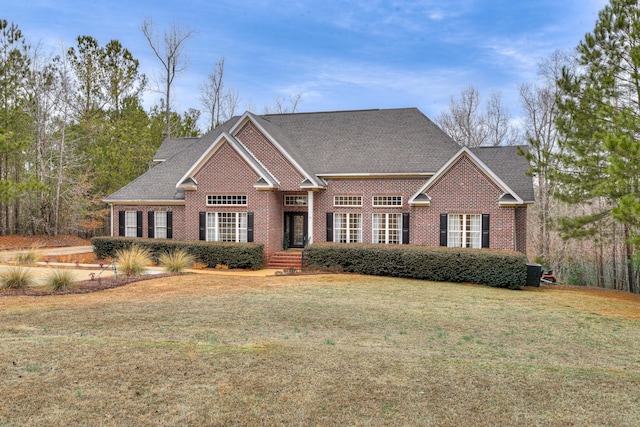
{"type": "Point", "coordinates": [145, 202]}
{"type": "Point", "coordinates": [375, 175]}
{"type": "Point", "coordinates": [209, 152]}
{"type": "Point", "coordinates": [462, 152]}
{"type": "Point", "coordinates": [247, 116]}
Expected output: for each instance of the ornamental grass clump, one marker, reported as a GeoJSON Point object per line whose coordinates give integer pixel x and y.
{"type": "Point", "coordinates": [60, 279]}
{"type": "Point", "coordinates": [176, 261]}
{"type": "Point", "coordinates": [16, 278]}
{"type": "Point", "coordinates": [133, 260]}
{"type": "Point", "coordinates": [29, 256]}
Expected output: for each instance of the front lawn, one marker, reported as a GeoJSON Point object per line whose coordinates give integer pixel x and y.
{"type": "Point", "coordinates": [320, 350]}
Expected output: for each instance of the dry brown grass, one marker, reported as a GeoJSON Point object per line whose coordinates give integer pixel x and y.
{"type": "Point", "coordinates": [319, 350]}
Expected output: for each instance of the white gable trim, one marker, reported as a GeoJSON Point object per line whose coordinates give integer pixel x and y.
{"type": "Point", "coordinates": [464, 151]}
{"type": "Point", "coordinates": [246, 117]}
{"type": "Point", "coordinates": [240, 149]}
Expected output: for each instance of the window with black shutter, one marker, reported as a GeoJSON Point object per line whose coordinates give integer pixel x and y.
{"type": "Point", "coordinates": [443, 229]}
{"type": "Point", "coordinates": [329, 226]}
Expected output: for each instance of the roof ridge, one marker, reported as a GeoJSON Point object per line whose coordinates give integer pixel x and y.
{"type": "Point", "coordinates": [336, 111]}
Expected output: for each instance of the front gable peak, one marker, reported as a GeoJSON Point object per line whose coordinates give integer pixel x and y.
{"type": "Point", "coordinates": [265, 181]}
{"type": "Point", "coordinates": [508, 198]}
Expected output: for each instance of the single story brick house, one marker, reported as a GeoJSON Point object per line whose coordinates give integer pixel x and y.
{"type": "Point", "coordinates": [284, 180]}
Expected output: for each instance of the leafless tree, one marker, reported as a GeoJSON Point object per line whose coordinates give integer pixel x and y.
{"type": "Point", "coordinates": [170, 53]}
{"type": "Point", "coordinates": [219, 102]}
{"type": "Point", "coordinates": [283, 105]}
{"type": "Point", "coordinates": [472, 125]}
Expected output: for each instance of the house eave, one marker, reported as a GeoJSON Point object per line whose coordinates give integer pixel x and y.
{"type": "Point", "coordinates": [375, 175]}
{"type": "Point", "coordinates": [144, 202]}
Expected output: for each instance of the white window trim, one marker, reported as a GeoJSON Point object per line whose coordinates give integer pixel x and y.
{"type": "Point", "coordinates": [388, 197]}
{"type": "Point", "coordinates": [230, 196]}
{"type": "Point", "coordinates": [348, 230]}
{"type": "Point", "coordinates": [128, 215]}
{"type": "Point", "coordinates": [213, 232]}
{"type": "Point", "coordinates": [347, 205]}
{"type": "Point", "coordinates": [156, 227]}
{"type": "Point", "coordinates": [386, 228]}
{"type": "Point", "coordinates": [464, 232]}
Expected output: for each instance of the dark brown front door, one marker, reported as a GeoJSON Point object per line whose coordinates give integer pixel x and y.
{"type": "Point", "coordinates": [295, 228]}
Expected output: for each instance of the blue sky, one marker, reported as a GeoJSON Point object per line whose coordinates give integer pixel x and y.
{"type": "Point", "coordinates": [339, 54]}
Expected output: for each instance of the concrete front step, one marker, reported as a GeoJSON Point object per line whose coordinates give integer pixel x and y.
{"type": "Point", "coordinates": [286, 259]}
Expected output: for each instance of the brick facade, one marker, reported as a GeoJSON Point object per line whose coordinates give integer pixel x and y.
{"type": "Point", "coordinates": [463, 189]}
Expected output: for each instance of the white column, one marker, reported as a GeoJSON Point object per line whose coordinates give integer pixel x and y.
{"type": "Point", "coordinates": [111, 206]}
{"type": "Point", "coordinates": [310, 216]}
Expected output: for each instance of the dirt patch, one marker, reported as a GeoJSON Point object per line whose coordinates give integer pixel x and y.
{"type": "Point", "coordinates": [18, 242]}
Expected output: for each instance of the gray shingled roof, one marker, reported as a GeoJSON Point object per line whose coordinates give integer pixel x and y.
{"type": "Point", "coordinates": [366, 141]}
{"type": "Point", "coordinates": [172, 146]}
{"type": "Point", "coordinates": [401, 141]}
{"type": "Point", "coordinates": [510, 167]}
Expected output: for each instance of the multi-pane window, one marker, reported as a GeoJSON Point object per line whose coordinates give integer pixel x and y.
{"type": "Point", "coordinates": [464, 231]}
{"type": "Point", "coordinates": [347, 227]}
{"type": "Point", "coordinates": [130, 224]}
{"type": "Point", "coordinates": [381, 201]}
{"type": "Point", "coordinates": [295, 200]}
{"type": "Point", "coordinates": [387, 228]}
{"type": "Point", "coordinates": [160, 225]}
{"type": "Point", "coordinates": [347, 201]}
{"type": "Point", "coordinates": [226, 200]}
{"type": "Point", "coordinates": [226, 226]}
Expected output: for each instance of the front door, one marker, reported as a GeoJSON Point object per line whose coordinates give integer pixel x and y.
{"type": "Point", "coordinates": [295, 229]}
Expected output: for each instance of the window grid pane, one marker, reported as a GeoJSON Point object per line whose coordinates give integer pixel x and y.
{"type": "Point", "coordinates": [387, 200]}
{"type": "Point", "coordinates": [131, 224]}
{"type": "Point", "coordinates": [347, 201]}
{"type": "Point", "coordinates": [464, 231]}
{"type": "Point", "coordinates": [387, 228]}
{"type": "Point", "coordinates": [226, 200]}
{"type": "Point", "coordinates": [226, 226]}
{"type": "Point", "coordinates": [160, 223]}
{"type": "Point", "coordinates": [347, 227]}
{"type": "Point", "coordinates": [295, 200]}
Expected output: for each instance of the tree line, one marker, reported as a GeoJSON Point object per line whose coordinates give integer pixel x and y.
{"type": "Point", "coordinates": [581, 123]}
{"type": "Point", "coordinates": [73, 130]}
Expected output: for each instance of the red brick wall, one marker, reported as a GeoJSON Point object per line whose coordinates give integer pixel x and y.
{"type": "Point", "coordinates": [272, 159]}
{"type": "Point", "coordinates": [463, 189]}
{"type": "Point", "coordinates": [367, 188]}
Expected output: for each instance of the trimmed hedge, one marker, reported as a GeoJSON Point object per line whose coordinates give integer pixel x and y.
{"type": "Point", "coordinates": [503, 269]}
{"type": "Point", "coordinates": [234, 255]}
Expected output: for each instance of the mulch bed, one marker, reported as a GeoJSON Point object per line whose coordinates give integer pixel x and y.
{"type": "Point", "coordinates": [83, 287]}
{"type": "Point", "coordinates": [15, 241]}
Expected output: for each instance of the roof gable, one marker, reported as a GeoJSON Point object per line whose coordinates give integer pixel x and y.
{"type": "Point", "coordinates": [509, 196]}
{"type": "Point", "coordinates": [265, 181]}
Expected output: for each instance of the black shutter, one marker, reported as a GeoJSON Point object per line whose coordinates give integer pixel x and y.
{"type": "Point", "coordinates": [203, 226]}
{"type": "Point", "coordinates": [121, 223]}
{"type": "Point", "coordinates": [139, 223]}
{"type": "Point", "coordinates": [150, 224]}
{"type": "Point", "coordinates": [249, 226]}
{"type": "Point", "coordinates": [485, 230]}
{"type": "Point", "coordinates": [329, 226]}
{"type": "Point", "coordinates": [405, 228]}
{"type": "Point", "coordinates": [169, 225]}
{"type": "Point", "coordinates": [443, 229]}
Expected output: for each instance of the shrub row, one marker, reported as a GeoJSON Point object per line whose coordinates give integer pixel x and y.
{"type": "Point", "coordinates": [504, 269]}
{"type": "Point", "coordinates": [234, 255]}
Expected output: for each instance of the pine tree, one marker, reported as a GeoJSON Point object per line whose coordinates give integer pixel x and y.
{"type": "Point", "coordinates": [600, 128]}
